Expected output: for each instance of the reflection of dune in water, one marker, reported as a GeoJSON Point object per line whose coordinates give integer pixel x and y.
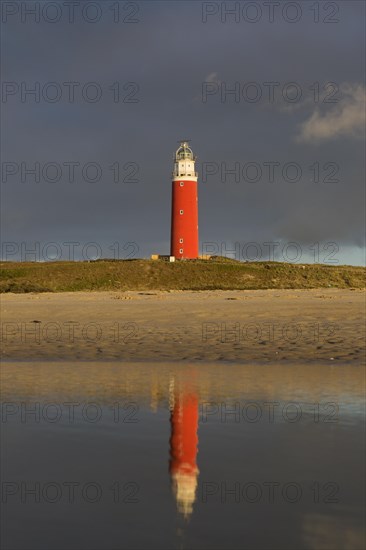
{"type": "Point", "coordinates": [150, 383]}
{"type": "Point", "coordinates": [322, 532]}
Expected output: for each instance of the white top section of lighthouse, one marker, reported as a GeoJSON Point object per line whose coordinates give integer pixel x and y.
{"type": "Point", "coordinates": [184, 163]}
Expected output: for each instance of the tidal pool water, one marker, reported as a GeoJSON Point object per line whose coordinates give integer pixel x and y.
{"type": "Point", "coordinates": [104, 456]}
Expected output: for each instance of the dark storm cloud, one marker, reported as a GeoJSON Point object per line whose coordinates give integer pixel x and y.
{"type": "Point", "coordinates": [169, 54]}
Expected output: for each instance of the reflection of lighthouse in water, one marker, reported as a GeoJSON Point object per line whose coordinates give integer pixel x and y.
{"type": "Point", "coordinates": [183, 449]}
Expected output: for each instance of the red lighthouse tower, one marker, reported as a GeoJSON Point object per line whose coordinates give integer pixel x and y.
{"type": "Point", "coordinates": [184, 234]}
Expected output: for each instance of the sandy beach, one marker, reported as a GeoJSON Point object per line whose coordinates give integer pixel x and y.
{"type": "Point", "coordinates": [254, 387]}
{"type": "Point", "coordinates": [238, 326]}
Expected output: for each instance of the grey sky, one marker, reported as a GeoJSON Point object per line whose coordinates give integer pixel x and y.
{"type": "Point", "coordinates": [169, 53]}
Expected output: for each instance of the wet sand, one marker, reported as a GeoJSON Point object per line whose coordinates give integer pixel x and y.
{"type": "Point", "coordinates": [261, 326]}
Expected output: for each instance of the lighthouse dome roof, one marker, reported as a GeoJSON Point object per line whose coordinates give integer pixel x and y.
{"type": "Point", "coordinates": [184, 151]}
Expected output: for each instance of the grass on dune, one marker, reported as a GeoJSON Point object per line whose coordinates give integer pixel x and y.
{"type": "Point", "coordinates": [214, 274]}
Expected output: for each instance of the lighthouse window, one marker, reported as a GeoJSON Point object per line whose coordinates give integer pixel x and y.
{"type": "Point", "coordinates": [181, 241]}
{"type": "Point", "coordinates": [180, 212]}
{"type": "Point", "coordinates": [181, 251]}
{"type": "Point", "coordinates": [182, 183]}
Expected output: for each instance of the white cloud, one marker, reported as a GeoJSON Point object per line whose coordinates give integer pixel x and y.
{"type": "Point", "coordinates": [345, 119]}
{"type": "Point", "coordinates": [212, 77]}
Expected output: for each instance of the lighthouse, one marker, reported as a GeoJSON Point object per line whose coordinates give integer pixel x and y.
{"type": "Point", "coordinates": [184, 229]}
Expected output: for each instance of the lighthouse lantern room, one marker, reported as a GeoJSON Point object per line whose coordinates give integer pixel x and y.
{"type": "Point", "coordinates": [184, 227]}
